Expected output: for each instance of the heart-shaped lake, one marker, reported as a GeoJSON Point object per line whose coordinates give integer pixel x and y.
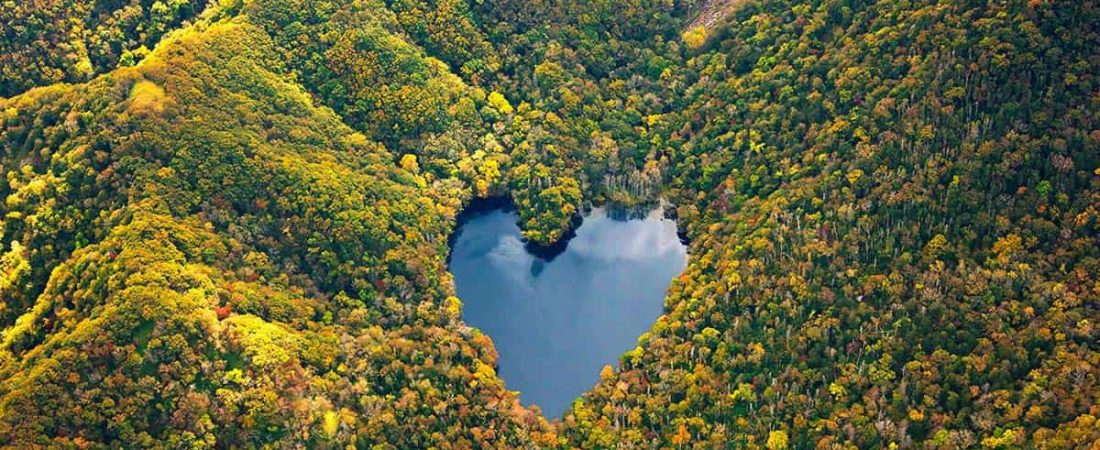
{"type": "Point", "coordinates": [557, 321]}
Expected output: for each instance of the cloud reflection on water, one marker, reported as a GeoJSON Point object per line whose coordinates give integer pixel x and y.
{"type": "Point", "coordinates": [556, 323]}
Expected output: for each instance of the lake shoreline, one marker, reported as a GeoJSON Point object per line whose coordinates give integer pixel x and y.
{"type": "Point", "coordinates": [483, 205]}
{"type": "Point", "coordinates": [556, 322]}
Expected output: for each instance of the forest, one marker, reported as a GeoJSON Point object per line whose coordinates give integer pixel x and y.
{"type": "Point", "coordinates": [225, 223]}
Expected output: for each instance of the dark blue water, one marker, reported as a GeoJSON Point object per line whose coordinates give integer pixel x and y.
{"type": "Point", "coordinates": [556, 323]}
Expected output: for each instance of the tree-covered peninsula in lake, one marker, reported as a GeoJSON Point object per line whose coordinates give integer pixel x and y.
{"type": "Point", "coordinates": [227, 224]}
{"type": "Point", "coordinates": [557, 320]}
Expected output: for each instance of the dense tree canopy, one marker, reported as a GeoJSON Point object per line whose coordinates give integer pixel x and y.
{"type": "Point", "coordinates": [225, 223]}
{"type": "Point", "coordinates": [49, 41]}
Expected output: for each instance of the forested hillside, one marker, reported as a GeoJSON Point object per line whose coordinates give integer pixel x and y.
{"type": "Point", "coordinates": [225, 224]}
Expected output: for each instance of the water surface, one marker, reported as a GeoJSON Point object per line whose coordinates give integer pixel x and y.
{"type": "Point", "coordinates": [557, 322]}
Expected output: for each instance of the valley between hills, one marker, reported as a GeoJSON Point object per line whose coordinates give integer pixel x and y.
{"type": "Point", "coordinates": [226, 224]}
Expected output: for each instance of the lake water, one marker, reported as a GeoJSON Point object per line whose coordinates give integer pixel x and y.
{"type": "Point", "coordinates": [557, 322]}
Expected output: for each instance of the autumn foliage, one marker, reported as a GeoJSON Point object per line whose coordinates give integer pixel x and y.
{"type": "Point", "coordinates": [225, 224]}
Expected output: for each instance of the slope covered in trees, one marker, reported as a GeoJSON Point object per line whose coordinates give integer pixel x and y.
{"type": "Point", "coordinates": [50, 41]}
{"type": "Point", "coordinates": [893, 210]}
{"type": "Point", "coordinates": [198, 256]}
{"type": "Point", "coordinates": [238, 238]}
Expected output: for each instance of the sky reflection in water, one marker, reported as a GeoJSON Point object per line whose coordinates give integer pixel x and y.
{"type": "Point", "coordinates": [557, 323]}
